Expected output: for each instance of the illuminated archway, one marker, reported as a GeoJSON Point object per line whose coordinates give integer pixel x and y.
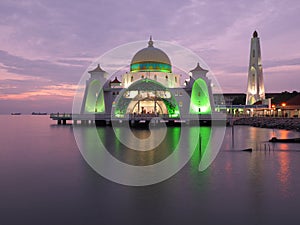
{"type": "Point", "coordinates": [94, 102]}
{"type": "Point", "coordinates": [146, 96]}
{"type": "Point", "coordinates": [148, 105]}
{"type": "Point", "coordinates": [200, 98]}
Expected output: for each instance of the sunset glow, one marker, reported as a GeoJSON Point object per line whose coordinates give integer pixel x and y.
{"type": "Point", "coordinates": [46, 47]}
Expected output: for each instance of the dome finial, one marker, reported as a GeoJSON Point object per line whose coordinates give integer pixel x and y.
{"type": "Point", "coordinates": [150, 42]}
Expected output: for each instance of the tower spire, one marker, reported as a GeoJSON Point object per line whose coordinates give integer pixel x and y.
{"type": "Point", "coordinates": [255, 34]}
{"type": "Point", "coordinates": [255, 88]}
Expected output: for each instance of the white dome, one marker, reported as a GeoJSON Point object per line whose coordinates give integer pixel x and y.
{"type": "Point", "coordinates": [151, 54]}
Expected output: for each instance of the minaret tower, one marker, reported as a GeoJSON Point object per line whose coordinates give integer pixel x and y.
{"type": "Point", "coordinates": [255, 88]}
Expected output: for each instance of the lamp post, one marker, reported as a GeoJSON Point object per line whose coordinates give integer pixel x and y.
{"type": "Point", "coordinates": [273, 110]}
{"type": "Point", "coordinates": [283, 112]}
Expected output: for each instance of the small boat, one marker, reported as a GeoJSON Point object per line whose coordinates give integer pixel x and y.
{"type": "Point", "coordinates": [247, 150]}
{"type": "Point", "coordinates": [16, 113]}
{"type": "Point", "coordinates": [39, 113]}
{"type": "Point", "coordinates": [287, 140]}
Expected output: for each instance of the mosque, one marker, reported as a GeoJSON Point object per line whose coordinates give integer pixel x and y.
{"type": "Point", "coordinates": [150, 89]}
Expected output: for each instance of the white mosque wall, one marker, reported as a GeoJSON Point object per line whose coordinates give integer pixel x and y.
{"type": "Point", "coordinates": [169, 80]}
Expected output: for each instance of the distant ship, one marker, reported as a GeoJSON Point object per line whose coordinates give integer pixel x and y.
{"type": "Point", "coordinates": [38, 113]}
{"type": "Point", "coordinates": [15, 113]}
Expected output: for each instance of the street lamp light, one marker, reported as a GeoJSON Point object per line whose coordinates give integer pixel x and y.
{"type": "Point", "coordinates": [283, 113]}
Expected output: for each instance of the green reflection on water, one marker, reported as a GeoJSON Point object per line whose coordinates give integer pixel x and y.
{"type": "Point", "coordinates": [108, 136]}
{"type": "Point", "coordinates": [202, 146]}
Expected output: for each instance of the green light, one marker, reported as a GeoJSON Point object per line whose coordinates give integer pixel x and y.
{"type": "Point", "coordinates": [200, 101]}
{"type": "Point", "coordinates": [172, 107]}
{"type": "Point", "coordinates": [121, 107]}
{"type": "Point", "coordinates": [119, 115]}
{"type": "Point", "coordinates": [175, 114]}
{"type": "Point", "coordinates": [151, 67]}
{"type": "Point", "coordinates": [144, 86]}
{"type": "Point", "coordinates": [95, 99]}
{"type": "Point", "coordinates": [202, 146]}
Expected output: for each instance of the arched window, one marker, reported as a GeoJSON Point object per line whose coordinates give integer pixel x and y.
{"type": "Point", "coordinates": [131, 78]}
{"type": "Point", "coordinates": [175, 79]}
{"type": "Point", "coordinates": [253, 53]}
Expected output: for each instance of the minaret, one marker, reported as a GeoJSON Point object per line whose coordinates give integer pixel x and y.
{"type": "Point", "coordinates": [93, 99]}
{"type": "Point", "coordinates": [255, 88]}
{"type": "Point", "coordinates": [201, 95]}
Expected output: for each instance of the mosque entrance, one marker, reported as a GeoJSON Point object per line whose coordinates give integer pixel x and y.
{"type": "Point", "coordinates": [146, 98]}
{"type": "Point", "coordinates": [150, 105]}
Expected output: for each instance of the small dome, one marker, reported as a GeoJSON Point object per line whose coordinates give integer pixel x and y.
{"type": "Point", "coordinates": [150, 59]}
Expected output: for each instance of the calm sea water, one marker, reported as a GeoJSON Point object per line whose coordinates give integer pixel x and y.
{"type": "Point", "coordinates": [45, 180]}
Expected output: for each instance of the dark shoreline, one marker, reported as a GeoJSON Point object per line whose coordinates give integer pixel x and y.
{"type": "Point", "coordinates": [270, 122]}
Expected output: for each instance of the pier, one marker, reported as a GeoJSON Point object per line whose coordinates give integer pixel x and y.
{"type": "Point", "coordinates": [134, 120]}
{"type": "Point", "coordinates": [62, 118]}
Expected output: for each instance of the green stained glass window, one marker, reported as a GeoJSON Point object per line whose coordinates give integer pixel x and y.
{"type": "Point", "coordinates": [150, 66]}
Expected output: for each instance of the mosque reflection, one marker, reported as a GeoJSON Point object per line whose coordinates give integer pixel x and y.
{"type": "Point", "coordinates": [261, 164]}
{"type": "Point", "coordinates": [150, 157]}
{"type": "Point", "coordinates": [108, 136]}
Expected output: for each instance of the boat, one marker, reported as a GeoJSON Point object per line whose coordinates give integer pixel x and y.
{"type": "Point", "coordinates": [247, 150]}
{"type": "Point", "coordinates": [16, 113]}
{"type": "Point", "coordinates": [287, 140]}
{"type": "Point", "coordinates": [39, 113]}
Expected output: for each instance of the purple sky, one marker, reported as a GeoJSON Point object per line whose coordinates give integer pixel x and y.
{"type": "Point", "coordinates": [45, 46]}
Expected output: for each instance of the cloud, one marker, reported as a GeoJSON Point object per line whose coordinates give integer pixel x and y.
{"type": "Point", "coordinates": [74, 62]}
{"type": "Point", "coordinates": [59, 72]}
{"type": "Point", "coordinates": [42, 104]}
{"type": "Point", "coordinates": [282, 62]}
{"type": "Point", "coordinates": [47, 43]}
{"type": "Point", "coordinates": [55, 91]}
